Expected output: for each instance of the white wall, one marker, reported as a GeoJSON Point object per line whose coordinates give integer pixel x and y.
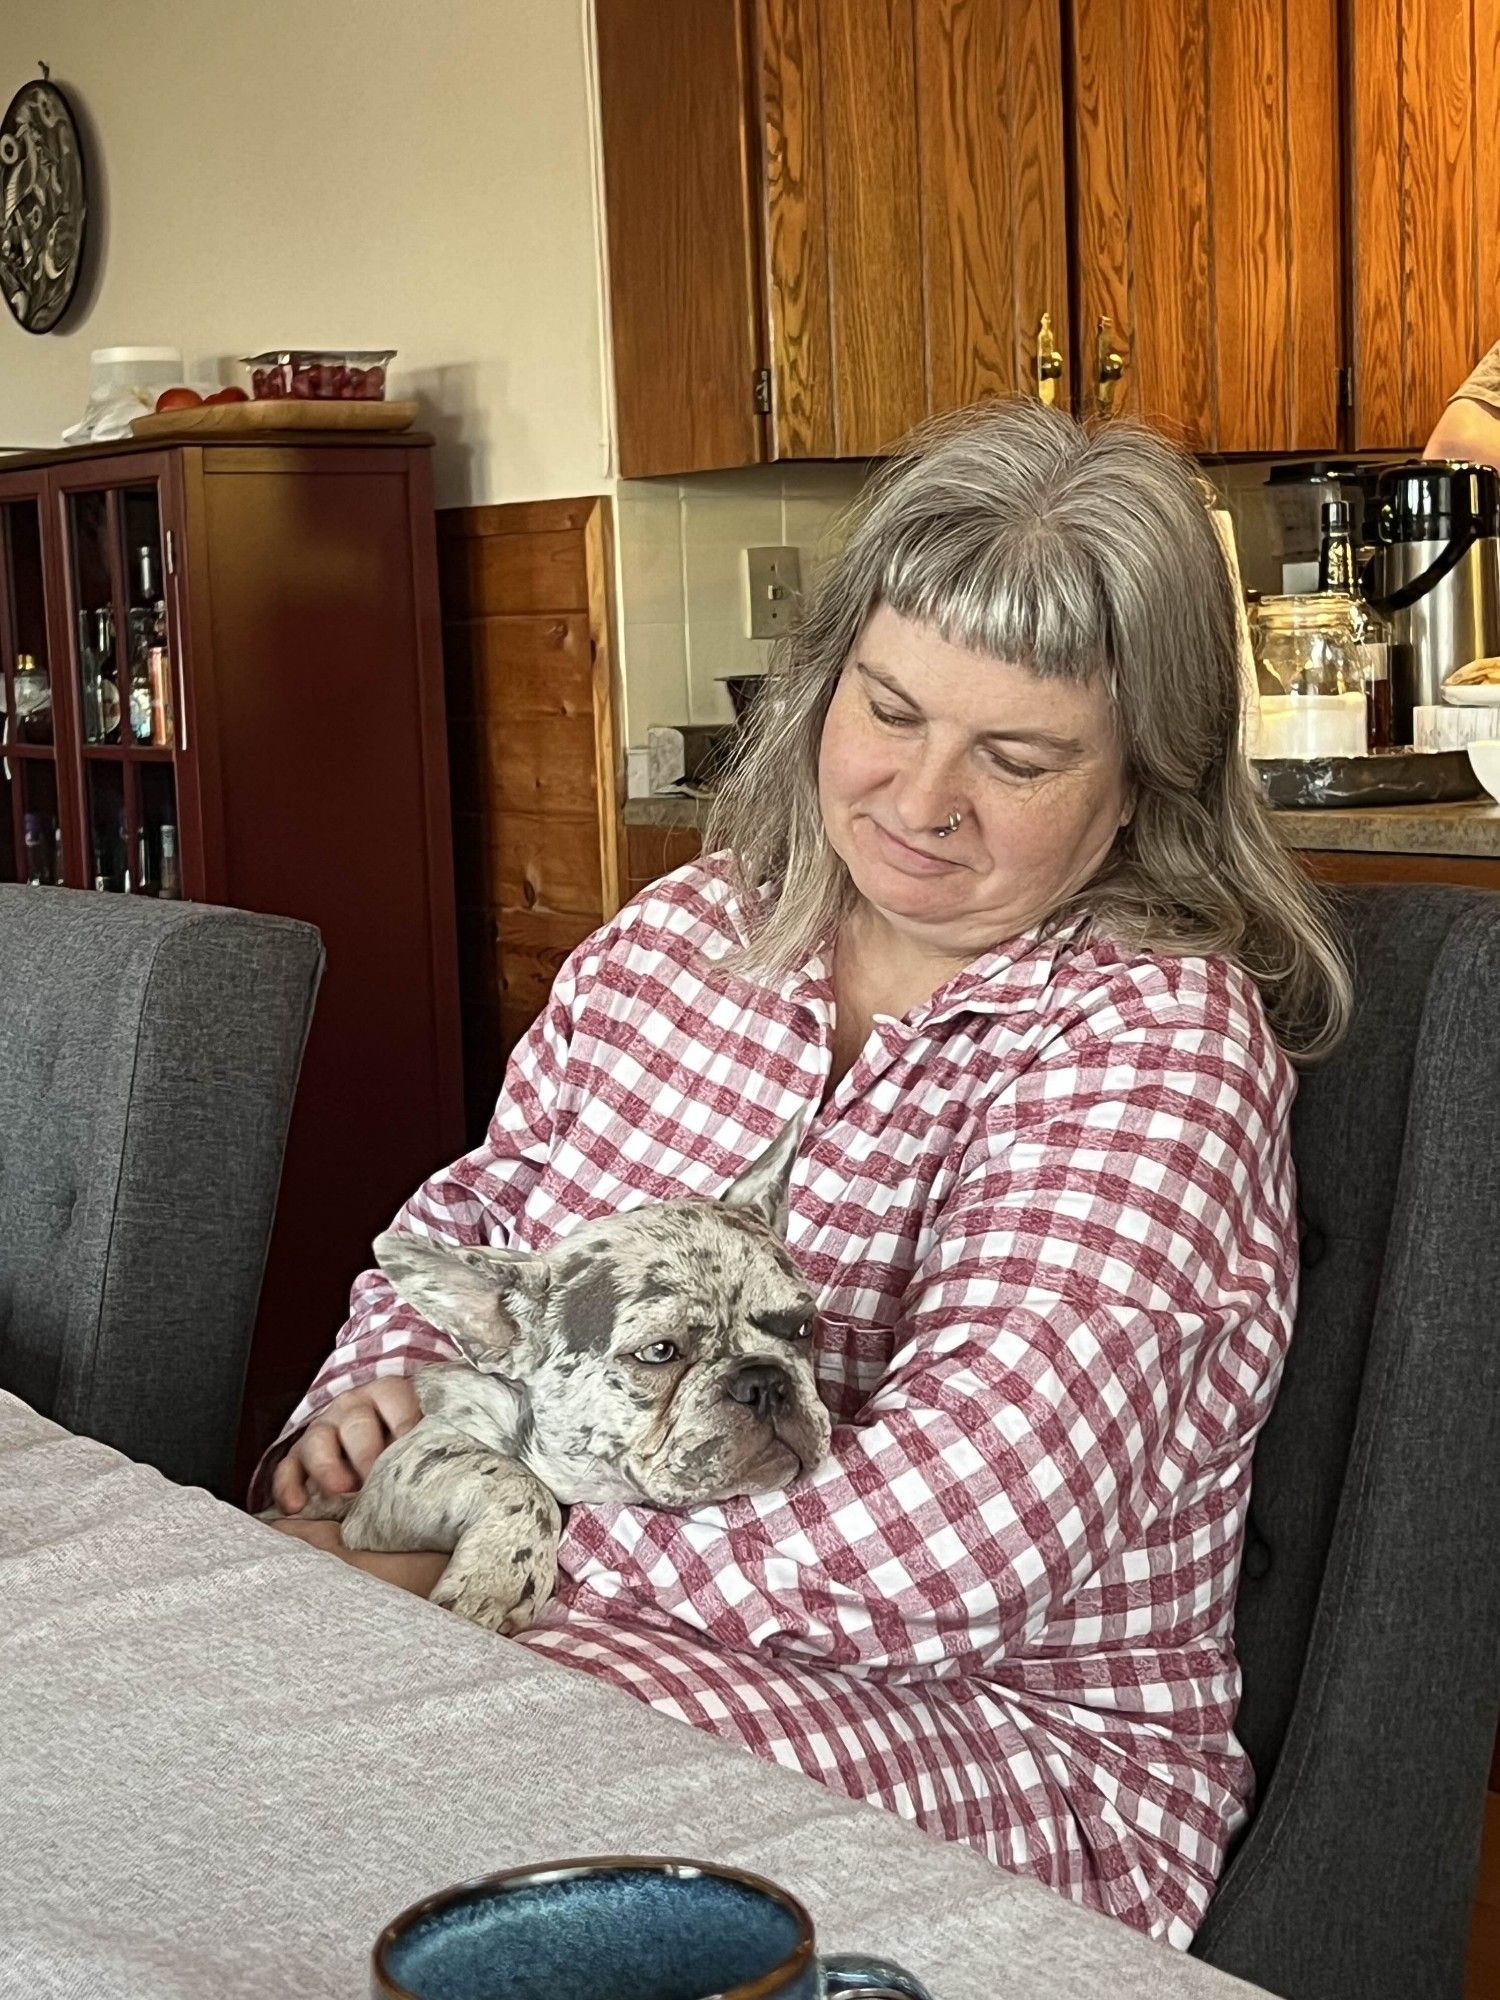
{"type": "Point", "coordinates": [378, 173]}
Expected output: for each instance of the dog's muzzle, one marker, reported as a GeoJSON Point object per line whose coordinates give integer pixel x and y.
{"type": "Point", "coordinates": [762, 1387]}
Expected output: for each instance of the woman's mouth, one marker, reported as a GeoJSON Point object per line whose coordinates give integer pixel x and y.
{"type": "Point", "coordinates": [911, 860]}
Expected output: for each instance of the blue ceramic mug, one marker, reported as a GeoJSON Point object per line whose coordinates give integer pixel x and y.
{"type": "Point", "coordinates": [623, 1927]}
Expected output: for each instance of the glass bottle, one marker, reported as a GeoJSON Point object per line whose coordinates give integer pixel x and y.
{"type": "Point", "coordinates": [38, 873]}
{"type": "Point", "coordinates": [1336, 570]}
{"type": "Point", "coordinates": [148, 652]}
{"type": "Point", "coordinates": [170, 882]}
{"type": "Point", "coordinates": [33, 701]}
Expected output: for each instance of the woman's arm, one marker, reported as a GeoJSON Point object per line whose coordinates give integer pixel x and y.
{"type": "Point", "coordinates": [477, 1200]}
{"type": "Point", "coordinates": [1093, 1338]}
{"type": "Point", "coordinates": [1469, 427]}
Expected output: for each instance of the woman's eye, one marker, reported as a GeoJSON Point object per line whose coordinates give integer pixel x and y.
{"type": "Point", "coordinates": [1025, 771]}
{"type": "Point", "coordinates": [658, 1353]}
{"type": "Point", "coordinates": [892, 718]}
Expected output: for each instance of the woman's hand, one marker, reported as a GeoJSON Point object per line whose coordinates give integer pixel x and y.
{"type": "Point", "coordinates": [416, 1572]}
{"type": "Point", "coordinates": [344, 1440]}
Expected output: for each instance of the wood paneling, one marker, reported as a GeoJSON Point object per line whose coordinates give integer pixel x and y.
{"type": "Point", "coordinates": [527, 644]}
{"type": "Point", "coordinates": [673, 87]}
{"type": "Point", "coordinates": [989, 103]}
{"type": "Point", "coordinates": [1424, 209]}
{"type": "Point", "coordinates": [1482, 1976]}
{"type": "Point", "coordinates": [1205, 152]}
{"type": "Point", "coordinates": [1465, 871]}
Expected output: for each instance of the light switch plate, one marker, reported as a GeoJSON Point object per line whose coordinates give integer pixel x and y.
{"type": "Point", "coordinates": [773, 582]}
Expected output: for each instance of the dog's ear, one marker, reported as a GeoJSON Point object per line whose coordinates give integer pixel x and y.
{"type": "Point", "coordinates": [483, 1299]}
{"type": "Point", "coordinates": [762, 1187]}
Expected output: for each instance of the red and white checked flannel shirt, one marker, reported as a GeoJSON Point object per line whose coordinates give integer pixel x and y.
{"type": "Point", "coordinates": [1050, 1218]}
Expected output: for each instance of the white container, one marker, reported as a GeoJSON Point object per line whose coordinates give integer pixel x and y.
{"type": "Point", "coordinates": [1443, 728]}
{"type": "Point", "coordinates": [1484, 757]}
{"type": "Point", "coordinates": [124, 383]}
{"type": "Point", "coordinates": [1311, 725]}
{"type": "Point", "coordinates": [142, 372]}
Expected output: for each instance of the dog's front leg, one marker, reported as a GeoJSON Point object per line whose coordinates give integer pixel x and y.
{"type": "Point", "coordinates": [438, 1488]}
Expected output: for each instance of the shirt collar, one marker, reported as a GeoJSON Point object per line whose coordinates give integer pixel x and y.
{"type": "Point", "coordinates": [1008, 977]}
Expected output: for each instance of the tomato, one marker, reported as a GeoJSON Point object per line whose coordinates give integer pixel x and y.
{"type": "Point", "coordinates": [178, 399]}
{"type": "Point", "coordinates": [229, 395]}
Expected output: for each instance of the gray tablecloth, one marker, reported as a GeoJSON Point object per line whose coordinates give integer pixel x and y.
{"type": "Point", "coordinates": [226, 1760]}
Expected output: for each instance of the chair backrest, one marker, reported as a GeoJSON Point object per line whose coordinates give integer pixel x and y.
{"type": "Point", "coordinates": [148, 1057]}
{"type": "Point", "coordinates": [1368, 1616]}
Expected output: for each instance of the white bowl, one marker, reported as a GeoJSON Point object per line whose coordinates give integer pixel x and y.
{"type": "Point", "coordinates": [1485, 758]}
{"type": "Point", "coordinates": [1486, 695]}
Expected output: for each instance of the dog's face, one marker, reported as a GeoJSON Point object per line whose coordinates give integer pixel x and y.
{"type": "Point", "coordinates": [665, 1354]}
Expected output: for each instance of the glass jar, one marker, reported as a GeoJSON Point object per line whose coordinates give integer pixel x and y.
{"type": "Point", "coordinates": [1312, 648]}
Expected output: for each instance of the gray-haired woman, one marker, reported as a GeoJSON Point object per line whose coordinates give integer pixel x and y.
{"type": "Point", "coordinates": [991, 892]}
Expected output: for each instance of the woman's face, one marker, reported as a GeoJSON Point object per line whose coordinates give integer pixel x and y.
{"type": "Point", "coordinates": [919, 729]}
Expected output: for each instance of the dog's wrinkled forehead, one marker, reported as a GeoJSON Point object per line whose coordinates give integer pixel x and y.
{"type": "Point", "coordinates": [688, 1263]}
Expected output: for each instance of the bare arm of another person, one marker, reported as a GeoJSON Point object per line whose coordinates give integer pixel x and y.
{"type": "Point", "coordinates": [1469, 427]}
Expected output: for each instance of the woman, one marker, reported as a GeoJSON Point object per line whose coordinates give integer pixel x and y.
{"type": "Point", "coordinates": [991, 887]}
{"type": "Point", "coordinates": [1469, 428]}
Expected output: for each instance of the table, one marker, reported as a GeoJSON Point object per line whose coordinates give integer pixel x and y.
{"type": "Point", "coordinates": [226, 1760]}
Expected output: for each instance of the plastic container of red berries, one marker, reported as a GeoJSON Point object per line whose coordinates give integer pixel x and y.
{"type": "Point", "coordinates": [320, 374]}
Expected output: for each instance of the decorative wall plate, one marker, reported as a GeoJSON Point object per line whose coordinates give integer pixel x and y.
{"type": "Point", "coordinates": [43, 205]}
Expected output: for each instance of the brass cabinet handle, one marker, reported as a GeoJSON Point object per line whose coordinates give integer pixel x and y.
{"type": "Point", "coordinates": [1050, 361]}
{"type": "Point", "coordinates": [1111, 366]}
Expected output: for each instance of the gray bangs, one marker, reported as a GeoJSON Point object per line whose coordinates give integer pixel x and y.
{"type": "Point", "coordinates": [1028, 595]}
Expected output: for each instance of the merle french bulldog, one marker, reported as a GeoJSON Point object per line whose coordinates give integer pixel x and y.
{"type": "Point", "coordinates": [663, 1356]}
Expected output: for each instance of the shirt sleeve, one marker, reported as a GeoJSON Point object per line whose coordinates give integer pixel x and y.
{"type": "Point", "coordinates": [1483, 385]}
{"type": "Point", "coordinates": [1093, 1335]}
{"type": "Point", "coordinates": [477, 1200]}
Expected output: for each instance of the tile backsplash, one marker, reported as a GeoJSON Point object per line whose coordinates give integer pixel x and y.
{"type": "Point", "coordinates": [682, 604]}
{"type": "Point", "coordinates": [681, 568]}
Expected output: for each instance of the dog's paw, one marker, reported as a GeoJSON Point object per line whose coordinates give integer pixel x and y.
{"type": "Point", "coordinates": [504, 1596]}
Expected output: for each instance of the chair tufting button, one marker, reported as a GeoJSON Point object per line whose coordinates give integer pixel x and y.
{"type": "Point", "coordinates": [1313, 1246]}
{"type": "Point", "coordinates": [1257, 1557]}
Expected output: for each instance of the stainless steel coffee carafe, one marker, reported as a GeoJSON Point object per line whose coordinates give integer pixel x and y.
{"type": "Point", "coordinates": [1435, 574]}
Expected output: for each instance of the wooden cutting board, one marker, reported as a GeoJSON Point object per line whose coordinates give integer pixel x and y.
{"type": "Point", "coordinates": [280, 413]}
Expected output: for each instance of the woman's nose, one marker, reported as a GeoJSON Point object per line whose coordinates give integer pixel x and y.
{"type": "Point", "coordinates": [926, 791]}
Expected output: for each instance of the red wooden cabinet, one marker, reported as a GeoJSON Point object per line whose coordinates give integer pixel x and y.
{"type": "Point", "coordinates": [287, 740]}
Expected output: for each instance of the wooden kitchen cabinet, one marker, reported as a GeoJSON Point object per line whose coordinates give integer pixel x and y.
{"type": "Point", "coordinates": [827, 219]}
{"type": "Point", "coordinates": [1424, 207]}
{"type": "Point", "coordinates": [1205, 147]}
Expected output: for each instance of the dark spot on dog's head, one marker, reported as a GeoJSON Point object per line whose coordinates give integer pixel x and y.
{"type": "Point", "coordinates": [588, 1305]}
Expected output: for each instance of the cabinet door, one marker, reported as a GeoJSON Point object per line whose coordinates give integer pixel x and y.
{"type": "Point", "coordinates": [39, 836]}
{"type": "Point", "coordinates": [119, 653]}
{"type": "Point", "coordinates": [683, 306]}
{"type": "Point", "coordinates": [914, 213]}
{"type": "Point", "coordinates": [1424, 210]}
{"type": "Point", "coordinates": [994, 212]}
{"type": "Point", "coordinates": [1205, 152]}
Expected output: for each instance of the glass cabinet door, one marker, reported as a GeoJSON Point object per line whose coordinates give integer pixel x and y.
{"type": "Point", "coordinates": [126, 689]}
{"type": "Point", "coordinates": [31, 818]}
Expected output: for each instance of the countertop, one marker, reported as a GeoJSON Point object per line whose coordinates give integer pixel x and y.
{"type": "Point", "coordinates": [1472, 829]}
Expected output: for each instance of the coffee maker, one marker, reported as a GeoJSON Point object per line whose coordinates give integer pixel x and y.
{"type": "Point", "coordinates": [1434, 574]}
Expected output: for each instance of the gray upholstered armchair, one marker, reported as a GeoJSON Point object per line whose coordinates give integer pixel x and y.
{"type": "Point", "coordinates": [1368, 1619]}
{"type": "Point", "coordinates": [148, 1057]}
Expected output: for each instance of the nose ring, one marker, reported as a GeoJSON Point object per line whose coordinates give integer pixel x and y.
{"type": "Point", "coordinates": [952, 826]}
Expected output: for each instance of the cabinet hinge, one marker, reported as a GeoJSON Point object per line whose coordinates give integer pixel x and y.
{"type": "Point", "coordinates": [762, 380]}
{"type": "Point", "coordinates": [171, 553]}
{"type": "Point", "coordinates": [1346, 388]}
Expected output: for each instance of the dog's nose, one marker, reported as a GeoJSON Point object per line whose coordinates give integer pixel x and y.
{"type": "Point", "coordinates": [762, 1386]}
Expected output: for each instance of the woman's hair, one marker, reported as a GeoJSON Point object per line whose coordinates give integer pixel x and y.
{"type": "Point", "coordinates": [1080, 553]}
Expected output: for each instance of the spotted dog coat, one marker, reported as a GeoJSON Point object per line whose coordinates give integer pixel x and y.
{"type": "Point", "coordinates": [660, 1356]}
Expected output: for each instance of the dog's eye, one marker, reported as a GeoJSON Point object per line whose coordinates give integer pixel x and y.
{"type": "Point", "coordinates": [658, 1353]}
